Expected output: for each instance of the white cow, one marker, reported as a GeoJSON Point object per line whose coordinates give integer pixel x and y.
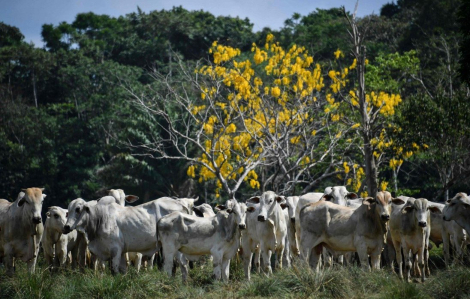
{"type": "Point", "coordinates": [267, 228]}
{"type": "Point", "coordinates": [458, 209]}
{"type": "Point", "coordinates": [56, 245]}
{"type": "Point", "coordinates": [448, 233]}
{"type": "Point", "coordinates": [113, 230]}
{"type": "Point", "coordinates": [194, 236]}
{"type": "Point", "coordinates": [21, 228]}
{"type": "Point", "coordinates": [410, 230]}
{"type": "Point", "coordinates": [343, 229]}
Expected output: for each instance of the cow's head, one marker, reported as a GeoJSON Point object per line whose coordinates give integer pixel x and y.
{"type": "Point", "coordinates": [338, 195]}
{"type": "Point", "coordinates": [232, 206]}
{"type": "Point", "coordinates": [457, 208]}
{"type": "Point", "coordinates": [381, 204]}
{"type": "Point", "coordinates": [267, 203]}
{"type": "Point", "coordinates": [290, 204]}
{"type": "Point", "coordinates": [420, 209]}
{"type": "Point", "coordinates": [121, 197]}
{"type": "Point", "coordinates": [56, 218]}
{"type": "Point", "coordinates": [31, 200]}
{"type": "Point", "coordinates": [75, 209]}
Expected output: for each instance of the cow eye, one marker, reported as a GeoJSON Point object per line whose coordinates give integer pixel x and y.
{"type": "Point", "coordinates": [271, 201]}
{"type": "Point", "coordinates": [77, 210]}
{"type": "Point", "coordinates": [56, 216]}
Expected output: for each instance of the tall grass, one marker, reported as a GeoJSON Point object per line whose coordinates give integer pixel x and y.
{"type": "Point", "coordinates": [297, 282]}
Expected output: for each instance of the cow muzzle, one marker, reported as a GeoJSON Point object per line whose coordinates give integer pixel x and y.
{"type": "Point", "coordinates": [66, 229]}
{"type": "Point", "coordinates": [422, 223]}
{"type": "Point", "coordinates": [292, 219]}
{"type": "Point", "coordinates": [385, 217]}
{"type": "Point", "coordinates": [37, 220]}
{"type": "Point", "coordinates": [241, 226]}
{"type": "Point", "coordinates": [261, 218]}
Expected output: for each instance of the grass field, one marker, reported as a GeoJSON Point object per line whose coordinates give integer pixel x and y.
{"type": "Point", "coordinates": [296, 282]}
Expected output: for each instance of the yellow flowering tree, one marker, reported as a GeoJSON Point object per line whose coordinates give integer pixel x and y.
{"type": "Point", "coordinates": [258, 119]}
{"type": "Point", "coordinates": [272, 118]}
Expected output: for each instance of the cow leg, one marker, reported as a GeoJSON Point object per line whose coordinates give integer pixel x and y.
{"type": "Point", "coordinates": [391, 254]}
{"type": "Point", "coordinates": [247, 256]}
{"type": "Point", "coordinates": [266, 254]}
{"type": "Point", "coordinates": [61, 253]}
{"type": "Point", "coordinates": [49, 258]}
{"type": "Point", "coordinates": [280, 254]}
{"type": "Point", "coordinates": [8, 260]}
{"type": "Point", "coordinates": [150, 262]}
{"type": "Point", "coordinates": [314, 257]}
{"type": "Point", "coordinates": [74, 252]}
{"type": "Point", "coordinates": [169, 255]}
{"type": "Point", "coordinates": [225, 269]}
{"type": "Point", "coordinates": [364, 258]}
{"type": "Point", "coordinates": [375, 260]}
{"type": "Point", "coordinates": [183, 261]}
{"type": "Point", "coordinates": [425, 261]}
{"type": "Point", "coordinates": [399, 258]}
{"type": "Point", "coordinates": [32, 265]}
{"type": "Point", "coordinates": [446, 247]}
{"type": "Point", "coordinates": [217, 265]}
{"type": "Point", "coordinates": [257, 260]}
{"type": "Point", "coordinates": [408, 264]}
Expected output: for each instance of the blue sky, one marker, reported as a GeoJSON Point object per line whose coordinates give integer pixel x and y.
{"type": "Point", "coordinates": [30, 15]}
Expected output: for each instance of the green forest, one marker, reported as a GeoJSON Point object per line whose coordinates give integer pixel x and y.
{"type": "Point", "coordinates": [133, 102]}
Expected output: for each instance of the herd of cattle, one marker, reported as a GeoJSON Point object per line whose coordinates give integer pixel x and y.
{"type": "Point", "coordinates": [320, 228]}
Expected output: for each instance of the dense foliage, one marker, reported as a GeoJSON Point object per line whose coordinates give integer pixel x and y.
{"type": "Point", "coordinates": [73, 120]}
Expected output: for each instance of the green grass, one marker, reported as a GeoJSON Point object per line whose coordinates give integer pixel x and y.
{"type": "Point", "coordinates": [297, 282]}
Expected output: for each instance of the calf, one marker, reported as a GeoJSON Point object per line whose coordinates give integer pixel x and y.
{"type": "Point", "coordinates": [194, 236]}
{"type": "Point", "coordinates": [339, 228]}
{"type": "Point", "coordinates": [410, 230]}
{"type": "Point", "coordinates": [267, 228]}
{"type": "Point", "coordinates": [21, 228]}
{"type": "Point", "coordinates": [57, 245]}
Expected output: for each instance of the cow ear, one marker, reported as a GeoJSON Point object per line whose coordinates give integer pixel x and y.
{"type": "Point", "coordinates": [21, 202]}
{"type": "Point", "coordinates": [254, 200]}
{"type": "Point", "coordinates": [230, 211]}
{"type": "Point", "coordinates": [44, 196]}
{"type": "Point", "coordinates": [250, 209]}
{"type": "Point", "coordinates": [351, 195]}
{"type": "Point", "coordinates": [449, 200]}
{"type": "Point", "coordinates": [198, 212]}
{"type": "Point", "coordinates": [327, 197]}
{"type": "Point", "coordinates": [87, 209]}
{"type": "Point", "coordinates": [280, 199]}
{"type": "Point", "coordinates": [398, 201]}
{"type": "Point", "coordinates": [283, 206]}
{"type": "Point", "coordinates": [221, 207]}
{"type": "Point", "coordinates": [406, 209]}
{"type": "Point", "coordinates": [131, 198]}
{"type": "Point", "coordinates": [48, 214]}
{"type": "Point", "coordinates": [434, 209]}
{"type": "Point", "coordinates": [368, 201]}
